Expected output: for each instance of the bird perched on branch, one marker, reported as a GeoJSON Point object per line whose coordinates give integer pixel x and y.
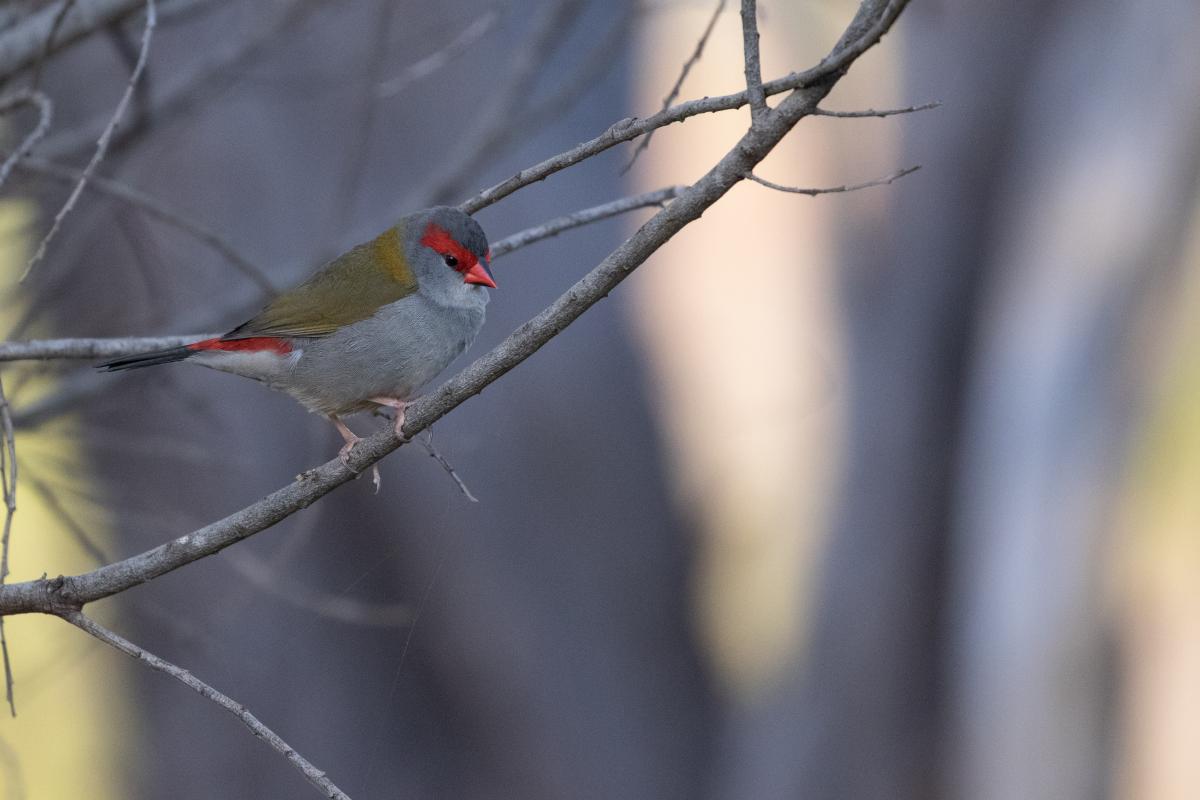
{"type": "Point", "coordinates": [369, 329]}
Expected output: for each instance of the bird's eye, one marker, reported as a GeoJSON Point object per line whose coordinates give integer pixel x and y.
{"type": "Point", "coordinates": [450, 260]}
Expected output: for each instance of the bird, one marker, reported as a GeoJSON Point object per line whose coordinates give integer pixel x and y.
{"type": "Point", "coordinates": [367, 330]}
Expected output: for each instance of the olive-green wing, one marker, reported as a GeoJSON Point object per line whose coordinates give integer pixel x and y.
{"type": "Point", "coordinates": [348, 289]}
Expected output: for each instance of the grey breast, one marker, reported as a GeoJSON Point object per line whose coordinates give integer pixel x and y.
{"type": "Point", "coordinates": [392, 354]}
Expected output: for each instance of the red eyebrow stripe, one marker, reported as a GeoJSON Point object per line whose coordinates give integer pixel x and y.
{"type": "Point", "coordinates": [255, 344]}
{"type": "Point", "coordinates": [441, 241]}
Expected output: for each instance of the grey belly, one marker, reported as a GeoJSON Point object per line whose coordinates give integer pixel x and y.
{"type": "Point", "coordinates": [392, 354]}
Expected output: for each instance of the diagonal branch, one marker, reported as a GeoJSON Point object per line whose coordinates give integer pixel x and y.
{"type": "Point", "coordinates": [26, 42]}
{"type": "Point", "coordinates": [427, 443]}
{"type": "Point", "coordinates": [103, 142]}
{"type": "Point", "coordinates": [157, 209]}
{"type": "Point", "coordinates": [221, 67]}
{"type": "Point", "coordinates": [496, 121]}
{"type": "Point", "coordinates": [644, 144]}
{"type": "Point", "coordinates": [64, 8]}
{"type": "Point", "coordinates": [314, 775]}
{"type": "Point", "coordinates": [440, 58]}
{"type": "Point", "coordinates": [63, 595]}
{"type": "Point", "coordinates": [867, 28]}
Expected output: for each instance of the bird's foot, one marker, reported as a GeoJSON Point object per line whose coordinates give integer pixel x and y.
{"type": "Point", "coordinates": [399, 406]}
{"type": "Point", "coordinates": [344, 452]}
{"type": "Point", "coordinates": [348, 436]}
{"type": "Point", "coordinates": [351, 439]}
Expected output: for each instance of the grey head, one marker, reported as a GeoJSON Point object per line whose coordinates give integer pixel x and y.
{"type": "Point", "coordinates": [448, 253]}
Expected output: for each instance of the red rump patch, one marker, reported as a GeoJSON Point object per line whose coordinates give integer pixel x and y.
{"type": "Point", "coordinates": [255, 344]}
{"type": "Point", "coordinates": [440, 240]}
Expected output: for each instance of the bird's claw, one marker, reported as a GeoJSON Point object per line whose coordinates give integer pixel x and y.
{"type": "Point", "coordinates": [344, 455]}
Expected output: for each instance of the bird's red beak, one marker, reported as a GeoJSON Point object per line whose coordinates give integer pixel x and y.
{"type": "Point", "coordinates": [480, 274]}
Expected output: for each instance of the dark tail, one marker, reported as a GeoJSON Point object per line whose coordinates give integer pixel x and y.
{"type": "Point", "coordinates": [151, 359]}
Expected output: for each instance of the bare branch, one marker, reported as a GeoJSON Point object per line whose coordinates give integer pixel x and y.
{"type": "Point", "coordinates": [8, 674]}
{"type": "Point", "coordinates": [26, 97]}
{"type": "Point", "coordinates": [63, 9]}
{"type": "Point", "coordinates": [8, 477]}
{"type": "Point", "coordinates": [683, 73]}
{"type": "Point", "coordinates": [64, 595]}
{"type": "Point", "coordinates": [358, 151]}
{"type": "Point", "coordinates": [435, 61]}
{"type": "Point", "coordinates": [584, 217]}
{"type": "Point", "coordinates": [69, 394]}
{"type": "Point", "coordinates": [24, 43]}
{"type": "Point", "coordinates": [103, 142]}
{"type": "Point", "coordinates": [867, 28]}
{"type": "Point", "coordinates": [427, 443]}
{"type": "Point", "coordinates": [853, 187]}
{"type": "Point", "coordinates": [314, 775]}
{"type": "Point", "coordinates": [224, 65]}
{"type": "Point", "coordinates": [77, 531]}
{"type": "Point", "coordinates": [157, 209]}
{"type": "Point", "coordinates": [870, 112]}
{"type": "Point", "coordinates": [753, 62]}
{"type": "Point", "coordinates": [44, 349]}
{"type": "Point", "coordinates": [496, 121]}
{"type": "Point", "coordinates": [573, 88]}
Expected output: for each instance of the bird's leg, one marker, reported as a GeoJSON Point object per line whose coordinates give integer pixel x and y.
{"type": "Point", "coordinates": [399, 405]}
{"type": "Point", "coordinates": [352, 439]}
{"type": "Point", "coordinates": [349, 436]}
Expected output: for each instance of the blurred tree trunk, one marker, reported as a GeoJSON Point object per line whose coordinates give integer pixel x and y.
{"type": "Point", "coordinates": [960, 646]}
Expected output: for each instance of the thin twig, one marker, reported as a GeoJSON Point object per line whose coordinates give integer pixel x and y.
{"type": "Point", "coordinates": [427, 443]}
{"type": "Point", "coordinates": [358, 151]}
{"type": "Point", "coordinates": [63, 10]}
{"type": "Point", "coordinates": [77, 531]}
{"type": "Point", "coordinates": [229, 61]}
{"type": "Point", "coordinates": [8, 477]}
{"type": "Point", "coordinates": [854, 42]}
{"type": "Point", "coordinates": [870, 112]}
{"type": "Point", "coordinates": [157, 209]}
{"type": "Point", "coordinates": [538, 114]}
{"type": "Point", "coordinates": [435, 61]}
{"type": "Point", "coordinates": [22, 44]}
{"type": "Point", "coordinates": [496, 121]}
{"type": "Point", "coordinates": [752, 59]}
{"type": "Point", "coordinates": [574, 88]}
{"type": "Point", "coordinates": [8, 674]}
{"type": "Point", "coordinates": [23, 97]}
{"type": "Point", "coordinates": [852, 187]}
{"type": "Point", "coordinates": [102, 143]}
{"type": "Point", "coordinates": [584, 217]}
{"type": "Point", "coordinates": [683, 73]}
{"type": "Point", "coordinates": [314, 775]}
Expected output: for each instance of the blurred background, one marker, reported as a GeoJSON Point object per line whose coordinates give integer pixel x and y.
{"type": "Point", "coordinates": [883, 494]}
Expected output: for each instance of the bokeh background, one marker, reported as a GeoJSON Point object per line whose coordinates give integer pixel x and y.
{"type": "Point", "coordinates": [885, 494]}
